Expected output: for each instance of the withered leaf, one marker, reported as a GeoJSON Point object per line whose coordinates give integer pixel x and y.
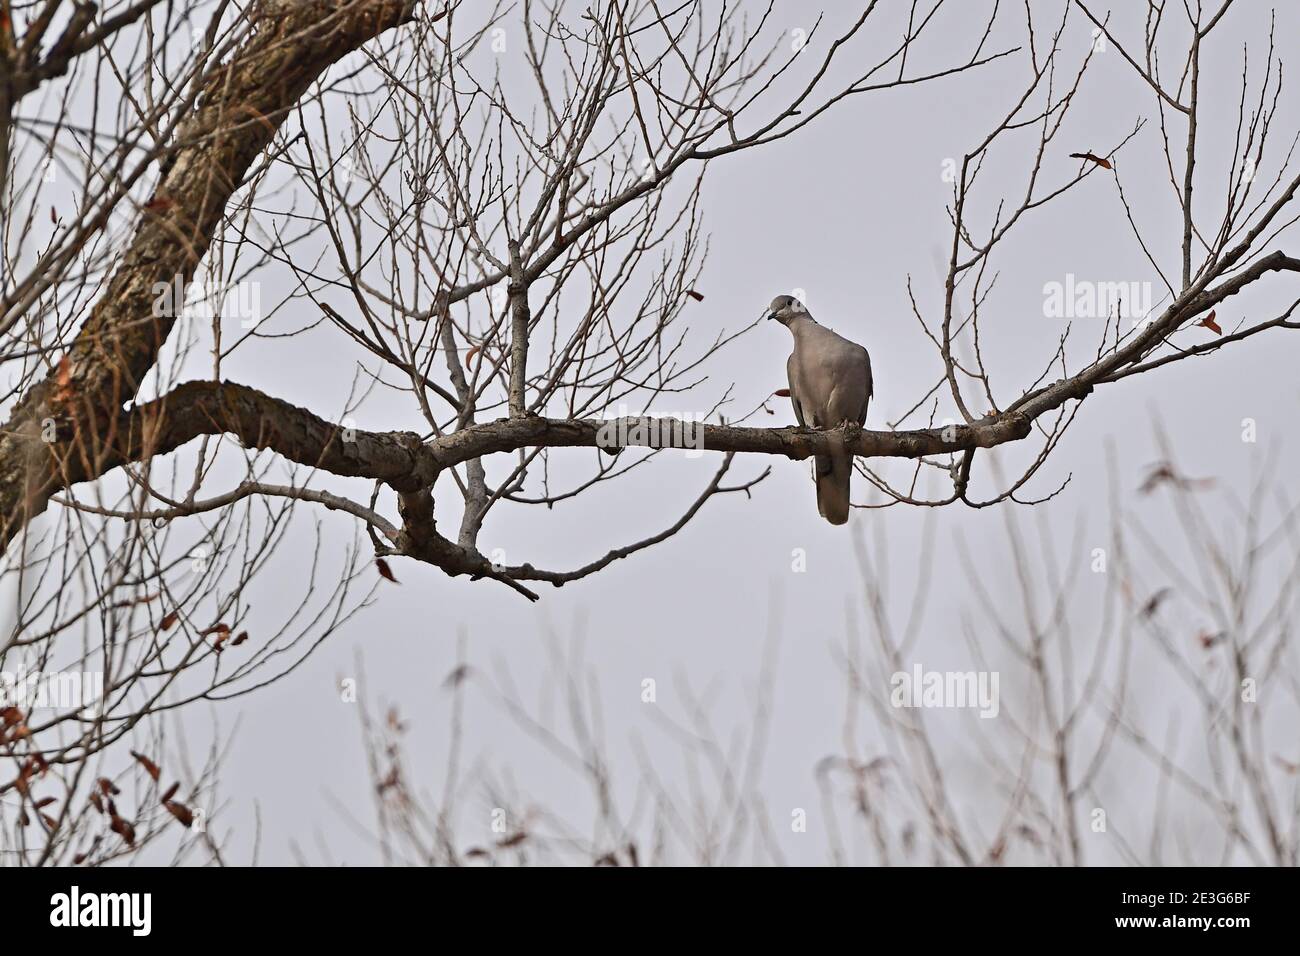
{"type": "Point", "coordinates": [180, 812]}
{"type": "Point", "coordinates": [469, 356]}
{"type": "Point", "coordinates": [171, 792]}
{"type": "Point", "coordinates": [222, 631]}
{"type": "Point", "coordinates": [1092, 157]}
{"type": "Point", "coordinates": [513, 839]}
{"type": "Point", "coordinates": [123, 829]}
{"type": "Point", "coordinates": [45, 802]}
{"type": "Point", "coordinates": [385, 571]}
{"type": "Point", "coordinates": [150, 767]}
{"type": "Point", "coordinates": [695, 295]}
{"type": "Point", "coordinates": [107, 787]}
{"type": "Point", "coordinates": [243, 636]}
{"type": "Point", "coordinates": [1210, 324]}
{"type": "Point", "coordinates": [168, 621]}
{"type": "Point", "coordinates": [782, 393]}
{"type": "Point", "coordinates": [63, 379]}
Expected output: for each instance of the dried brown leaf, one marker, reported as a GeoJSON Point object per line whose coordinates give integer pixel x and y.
{"type": "Point", "coordinates": [150, 767]}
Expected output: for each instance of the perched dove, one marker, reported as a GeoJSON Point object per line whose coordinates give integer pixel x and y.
{"type": "Point", "coordinates": [830, 385]}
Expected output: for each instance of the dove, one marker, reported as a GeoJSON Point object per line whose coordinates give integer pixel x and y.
{"type": "Point", "coordinates": [830, 386]}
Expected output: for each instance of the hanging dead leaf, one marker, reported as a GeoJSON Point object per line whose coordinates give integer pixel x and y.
{"type": "Point", "coordinates": [180, 811]}
{"type": "Point", "coordinates": [513, 840]}
{"type": "Point", "coordinates": [107, 787]}
{"type": "Point", "coordinates": [123, 829]}
{"type": "Point", "coordinates": [63, 382]}
{"type": "Point", "coordinates": [45, 802]}
{"type": "Point", "coordinates": [469, 356]}
{"type": "Point", "coordinates": [1210, 324]}
{"type": "Point", "coordinates": [150, 767]}
{"type": "Point", "coordinates": [18, 733]}
{"type": "Point", "coordinates": [171, 792]}
{"type": "Point", "coordinates": [1094, 158]}
{"type": "Point", "coordinates": [695, 295]}
{"type": "Point", "coordinates": [222, 631]}
{"type": "Point", "coordinates": [243, 636]}
{"type": "Point", "coordinates": [168, 621]}
{"type": "Point", "coordinates": [96, 801]}
{"type": "Point", "coordinates": [11, 715]}
{"type": "Point", "coordinates": [385, 571]}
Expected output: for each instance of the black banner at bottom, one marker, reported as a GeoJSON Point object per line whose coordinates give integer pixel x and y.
{"type": "Point", "coordinates": [334, 906]}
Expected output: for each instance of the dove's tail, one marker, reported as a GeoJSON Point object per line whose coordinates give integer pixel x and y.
{"type": "Point", "coordinates": [833, 473]}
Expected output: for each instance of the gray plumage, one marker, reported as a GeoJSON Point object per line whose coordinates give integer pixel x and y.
{"type": "Point", "coordinates": [830, 385]}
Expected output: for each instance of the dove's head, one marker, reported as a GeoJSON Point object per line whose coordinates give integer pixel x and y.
{"type": "Point", "coordinates": [785, 309]}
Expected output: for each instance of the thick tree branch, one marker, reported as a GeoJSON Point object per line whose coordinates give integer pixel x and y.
{"type": "Point", "coordinates": [243, 103]}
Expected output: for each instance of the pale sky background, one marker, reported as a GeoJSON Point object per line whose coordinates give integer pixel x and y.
{"type": "Point", "coordinates": [846, 210]}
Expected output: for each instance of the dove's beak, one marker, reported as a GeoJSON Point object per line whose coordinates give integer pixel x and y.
{"type": "Point", "coordinates": [768, 314]}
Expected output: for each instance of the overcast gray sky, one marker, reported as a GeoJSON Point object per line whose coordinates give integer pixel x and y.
{"type": "Point", "coordinates": [846, 210]}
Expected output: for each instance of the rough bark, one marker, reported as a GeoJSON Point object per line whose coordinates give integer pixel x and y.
{"type": "Point", "coordinates": [243, 103]}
